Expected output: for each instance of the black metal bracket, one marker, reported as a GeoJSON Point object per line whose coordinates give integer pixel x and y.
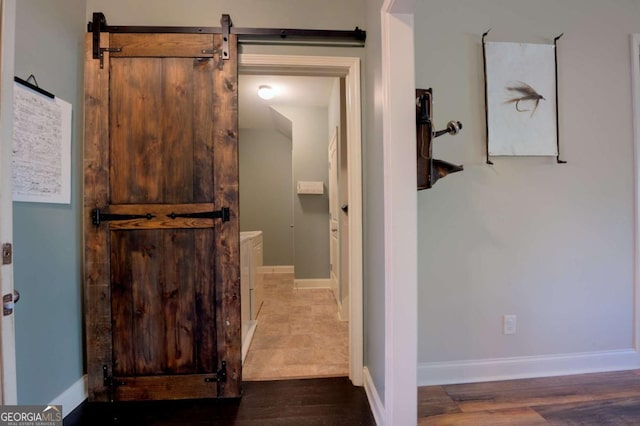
{"type": "Point", "coordinates": [486, 100]}
{"type": "Point", "coordinates": [221, 374]}
{"type": "Point", "coordinates": [97, 217]}
{"type": "Point", "coordinates": [224, 214]}
{"type": "Point", "coordinates": [225, 23]}
{"type": "Point", "coordinates": [96, 27]}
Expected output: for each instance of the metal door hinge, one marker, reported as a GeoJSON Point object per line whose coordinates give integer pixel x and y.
{"type": "Point", "coordinates": [9, 301]}
{"type": "Point", "coordinates": [7, 253]}
{"type": "Point", "coordinates": [7, 304]}
{"type": "Point", "coordinates": [221, 374]}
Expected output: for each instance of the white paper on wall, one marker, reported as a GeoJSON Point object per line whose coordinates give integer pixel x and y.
{"type": "Point", "coordinates": [521, 99]}
{"type": "Point", "coordinates": [41, 162]}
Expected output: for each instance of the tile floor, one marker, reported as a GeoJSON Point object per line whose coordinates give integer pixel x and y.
{"type": "Point", "coordinates": [299, 334]}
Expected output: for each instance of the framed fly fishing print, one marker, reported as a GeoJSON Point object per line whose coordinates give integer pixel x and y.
{"type": "Point", "coordinates": [521, 99]}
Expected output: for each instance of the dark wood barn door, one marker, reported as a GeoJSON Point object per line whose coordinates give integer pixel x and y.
{"type": "Point", "coordinates": [161, 218]}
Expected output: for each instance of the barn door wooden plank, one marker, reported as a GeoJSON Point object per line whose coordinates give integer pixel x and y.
{"type": "Point", "coordinates": [226, 194]}
{"type": "Point", "coordinates": [163, 45]}
{"type": "Point", "coordinates": [96, 178]}
{"type": "Point", "coordinates": [167, 288]}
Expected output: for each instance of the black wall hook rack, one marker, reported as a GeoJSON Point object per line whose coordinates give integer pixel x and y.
{"type": "Point", "coordinates": [430, 170]}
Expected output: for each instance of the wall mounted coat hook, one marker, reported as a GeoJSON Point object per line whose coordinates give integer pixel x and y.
{"type": "Point", "coordinates": [429, 168]}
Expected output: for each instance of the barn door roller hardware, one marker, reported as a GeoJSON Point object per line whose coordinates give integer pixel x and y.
{"type": "Point", "coordinates": [429, 168]}
{"type": "Point", "coordinates": [355, 38]}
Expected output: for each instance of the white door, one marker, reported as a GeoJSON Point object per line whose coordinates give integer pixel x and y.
{"type": "Point", "coordinates": [334, 214]}
{"type": "Point", "coordinates": [8, 388]}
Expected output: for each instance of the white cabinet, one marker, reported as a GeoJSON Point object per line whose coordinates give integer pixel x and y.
{"type": "Point", "coordinates": [251, 285]}
{"type": "Point", "coordinates": [257, 294]}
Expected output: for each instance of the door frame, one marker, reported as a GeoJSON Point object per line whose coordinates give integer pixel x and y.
{"type": "Point", "coordinates": [8, 388]}
{"type": "Point", "coordinates": [400, 213]}
{"type": "Point", "coordinates": [635, 75]}
{"type": "Point", "coordinates": [349, 69]}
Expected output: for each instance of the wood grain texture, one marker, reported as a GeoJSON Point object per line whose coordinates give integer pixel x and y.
{"type": "Point", "coordinates": [225, 176]}
{"type": "Point", "coordinates": [162, 45]}
{"type": "Point", "coordinates": [589, 399]}
{"type": "Point", "coordinates": [154, 388]}
{"type": "Point", "coordinates": [96, 193]}
{"type": "Point", "coordinates": [327, 402]}
{"type": "Point", "coordinates": [507, 417]}
{"type": "Point", "coordinates": [164, 134]}
{"type": "Point", "coordinates": [543, 391]}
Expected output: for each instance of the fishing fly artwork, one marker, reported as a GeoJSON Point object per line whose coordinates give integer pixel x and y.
{"type": "Point", "coordinates": [525, 94]}
{"type": "Point", "coordinates": [520, 99]}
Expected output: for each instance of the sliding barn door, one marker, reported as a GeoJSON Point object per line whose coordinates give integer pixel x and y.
{"type": "Point", "coordinates": [162, 279]}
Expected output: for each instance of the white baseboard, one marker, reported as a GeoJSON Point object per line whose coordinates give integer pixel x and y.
{"type": "Point", "coordinates": [246, 341]}
{"type": "Point", "coordinates": [312, 283]}
{"type": "Point", "coordinates": [343, 309]}
{"type": "Point", "coordinates": [441, 373]}
{"type": "Point", "coordinates": [377, 407]}
{"type": "Point", "coordinates": [71, 398]}
{"type": "Point", "coordinates": [281, 269]}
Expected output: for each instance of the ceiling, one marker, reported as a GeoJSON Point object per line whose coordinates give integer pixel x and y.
{"type": "Point", "coordinates": [256, 113]}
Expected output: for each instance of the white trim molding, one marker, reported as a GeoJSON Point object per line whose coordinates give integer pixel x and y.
{"type": "Point", "coordinates": [312, 283]}
{"type": "Point", "coordinates": [71, 398]}
{"type": "Point", "coordinates": [487, 370]}
{"type": "Point", "coordinates": [635, 75]}
{"type": "Point", "coordinates": [349, 69]}
{"type": "Point", "coordinates": [280, 269]}
{"type": "Point", "coordinates": [377, 407]}
{"type": "Point", "coordinates": [400, 212]}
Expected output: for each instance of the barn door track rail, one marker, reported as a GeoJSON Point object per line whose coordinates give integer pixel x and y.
{"type": "Point", "coordinates": [352, 38]}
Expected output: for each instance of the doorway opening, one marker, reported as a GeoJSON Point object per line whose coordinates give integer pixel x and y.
{"type": "Point", "coordinates": [294, 158]}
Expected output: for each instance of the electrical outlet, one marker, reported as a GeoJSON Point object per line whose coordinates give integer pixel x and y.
{"type": "Point", "coordinates": [508, 324]}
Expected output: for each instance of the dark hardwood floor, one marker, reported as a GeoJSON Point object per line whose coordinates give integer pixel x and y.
{"type": "Point", "coordinates": [333, 401]}
{"type": "Point", "coordinates": [600, 399]}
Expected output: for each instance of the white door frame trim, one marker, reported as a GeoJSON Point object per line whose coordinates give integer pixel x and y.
{"type": "Point", "coordinates": [349, 68]}
{"type": "Point", "coordinates": [400, 213]}
{"type": "Point", "coordinates": [9, 394]}
{"type": "Point", "coordinates": [635, 75]}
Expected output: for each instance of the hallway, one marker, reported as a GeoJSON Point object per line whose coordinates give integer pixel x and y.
{"type": "Point", "coordinates": [298, 335]}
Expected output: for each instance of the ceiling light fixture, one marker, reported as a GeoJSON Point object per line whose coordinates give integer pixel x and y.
{"type": "Point", "coordinates": [266, 92]}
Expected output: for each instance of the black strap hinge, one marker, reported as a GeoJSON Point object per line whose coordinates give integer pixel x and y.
{"type": "Point", "coordinates": [224, 213]}
{"type": "Point", "coordinates": [97, 217]}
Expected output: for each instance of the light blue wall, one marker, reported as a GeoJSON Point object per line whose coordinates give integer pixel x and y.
{"type": "Point", "coordinates": [373, 200]}
{"type": "Point", "coordinates": [310, 212]}
{"type": "Point", "coordinates": [266, 195]}
{"type": "Point", "coordinates": [47, 237]}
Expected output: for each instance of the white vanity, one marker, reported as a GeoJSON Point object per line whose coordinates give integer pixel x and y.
{"type": "Point", "coordinates": [251, 285]}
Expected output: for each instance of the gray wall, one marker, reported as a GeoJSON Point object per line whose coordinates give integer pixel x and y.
{"type": "Point", "coordinates": [310, 212]}
{"type": "Point", "coordinates": [47, 237]}
{"type": "Point", "coordinates": [266, 194]}
{"type": "Point", "coordinates": [550, 243]}
{"type": "Point", "coordinates": [373, 202]}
